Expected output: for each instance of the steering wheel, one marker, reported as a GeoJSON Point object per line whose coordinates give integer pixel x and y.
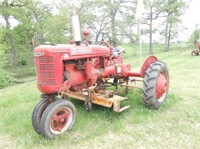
{"type": "Point", "coordinates": [103, 38]}
{"type": "Point", "coordinates": [106, 43]}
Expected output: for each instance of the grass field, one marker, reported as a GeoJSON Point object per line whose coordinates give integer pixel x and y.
{"type": "Point", "coordinates": [175, 125]}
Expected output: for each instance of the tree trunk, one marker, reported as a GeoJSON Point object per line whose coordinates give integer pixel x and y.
{"type": "Point", "coordinates": [166, 38]}
{"type": "Point", "coordinates": [96, 39]}
{"type": "Point", "coordinates": [113, 31]}
{"type": "Point", "coordinates": [38, 39]}
{"type": "Point", "coordinates": [169, 37]}
{"type": "Point", "coordinates": [10, 41]}
{"type": "Point", "coordinates": [38, 34]}
{"type": "Point", "coordinates": [150, 34]}
{"type": "Point", "coordinates": [196, 35]}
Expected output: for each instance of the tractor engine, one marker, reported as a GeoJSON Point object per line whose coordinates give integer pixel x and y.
{"type": "Point", "coordinates": [80, 74]}
{"type": "Point", "coordinates": [85, 73]}
{"type": "Point", "coordinates": [60, 68]}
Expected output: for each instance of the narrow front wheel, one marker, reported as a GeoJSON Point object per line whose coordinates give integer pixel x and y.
{"type": "Point", "coordinates": [37, 114]}
{"type": "Point", "coordinates": [58, 117]}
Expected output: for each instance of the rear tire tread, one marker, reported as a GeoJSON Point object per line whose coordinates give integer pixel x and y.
{"type": "Point", "coordinates": [149, 84]}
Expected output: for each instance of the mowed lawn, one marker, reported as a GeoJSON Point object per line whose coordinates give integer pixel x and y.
{"type": "Point", "coordinates": [176, 124]}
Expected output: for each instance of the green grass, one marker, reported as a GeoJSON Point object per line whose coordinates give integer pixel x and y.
{"type": "Point", "coordinates": [176, 124]}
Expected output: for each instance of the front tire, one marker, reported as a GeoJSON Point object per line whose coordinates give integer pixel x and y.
{"type": "Point", "coordinates": [58, 117]}
{"type": "Point", "coordinates": [155, 85]}
{"type": "Point", "coordinates": [37, 114]}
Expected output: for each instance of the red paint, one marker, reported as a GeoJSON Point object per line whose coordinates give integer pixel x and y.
{"type": "Point", "coordinates": [88, 70]}
{"type": "Point", "coordinates": [50, 67]}
{"type": "Point", "coordinates": [146, 63]}
{"type": "Point", "coordinates": [161, 86]}
{"type": "Point", "coordinates": [86, 34]}
{"type": "Point", "coordinates": [63, 67]}
{"type": "Point", "coordinates": [59, 119]}
{"type": "Point", "coordinates": [198, 46]}
{"type": "Point", "coordinates": [49, 73]}
{"type": "Point", "coordinates": [79, 79]}
{"type": "Point", "coordinates": [133, 74]}
{"type": "Point", "coordinates": [108, 71]}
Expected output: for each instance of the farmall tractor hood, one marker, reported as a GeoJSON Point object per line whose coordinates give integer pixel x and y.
{"type": "Point", "coordinates": [72, 51]}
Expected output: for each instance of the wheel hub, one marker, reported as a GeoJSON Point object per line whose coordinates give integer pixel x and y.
{"type": "Point", "coordinates": [162, 85]}
{"type": "Point", "coordinates": [59, 119]}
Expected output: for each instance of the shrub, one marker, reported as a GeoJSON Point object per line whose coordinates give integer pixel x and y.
{"type": "Point", "coordinates": [6, 79]}
{"type": "Point", "coordinates": [22, 63]}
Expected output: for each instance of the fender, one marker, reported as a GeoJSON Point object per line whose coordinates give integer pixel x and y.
{"type": "Point", "coordinates": [148, 61]}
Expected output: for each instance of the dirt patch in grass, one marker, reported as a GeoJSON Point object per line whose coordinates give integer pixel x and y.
{"type": "Point", "coordinates": [6, 142]}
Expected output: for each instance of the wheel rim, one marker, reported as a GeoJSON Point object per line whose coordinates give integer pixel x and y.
{"type": "Point", "coordinates": [61, 120]}
{"type": "Point", "coordinates": [162, 86]}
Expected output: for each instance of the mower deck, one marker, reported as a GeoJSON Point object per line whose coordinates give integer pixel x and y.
{"type": "Point", "coordinates": [106, 99]}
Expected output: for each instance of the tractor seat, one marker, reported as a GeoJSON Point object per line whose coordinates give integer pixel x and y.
{"type": "Point", "coordinates": [117, 51]}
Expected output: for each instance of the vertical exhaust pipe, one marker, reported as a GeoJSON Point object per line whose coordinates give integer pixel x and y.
{"type": "Point", "coordinates": [75, 25]}
{"type": "Point", "coordinates": [76, 29]}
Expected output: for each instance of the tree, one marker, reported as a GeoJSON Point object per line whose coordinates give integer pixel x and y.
{"type": "Point", "coordinates": [195, 36]}
{"type": "Point", "coordinates": [94, 15]}
{"type": "Point", "coordinates": [38, 13]}
{"type": "Point", "coordinates": [170, 11]}
{"type": "Point", "coordinates": [108, 16]}
{"type": "Point", "coordinates": [113, 17]}
{"type": "Point", "coordinates": [31, 16]}
{"type": "Point", "coordinates": [5, 78]}
{"type": "Point", "coordinates": [8, 10]}
{"type": "Point", "coordinates": [3, 46]}
{"type": "Point", "coordinates": [118, 9]}
{"type": "Point", "coordinates": [173, 10]}
{"type": "Point", "coordinates": [57, 27]}
{"type": "Point", "coordinates": [153, 12]}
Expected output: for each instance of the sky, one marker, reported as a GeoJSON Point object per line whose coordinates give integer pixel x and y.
{"type": "Point", "coordinates": [191, 18]}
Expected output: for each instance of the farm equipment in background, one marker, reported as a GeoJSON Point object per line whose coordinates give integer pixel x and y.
{"type": "Point", "coordinates": [84, 72]}
{"type": "Point", "coordinates": [197, 51]}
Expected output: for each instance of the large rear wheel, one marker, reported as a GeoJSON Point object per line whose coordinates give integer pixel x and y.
{"type": "Point", "coordinates": [155, 84]}
{"type": "Point", "coordinates": [58, 117]}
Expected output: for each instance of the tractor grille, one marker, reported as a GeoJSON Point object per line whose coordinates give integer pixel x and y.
{"type": "Point", "coordinates": [46, 71]}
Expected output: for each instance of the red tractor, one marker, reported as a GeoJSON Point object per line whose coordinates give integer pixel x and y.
{"type": "Point", "coordinates": [196, 52]}
{"type": "Point", "coordinates": [84, 72]}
